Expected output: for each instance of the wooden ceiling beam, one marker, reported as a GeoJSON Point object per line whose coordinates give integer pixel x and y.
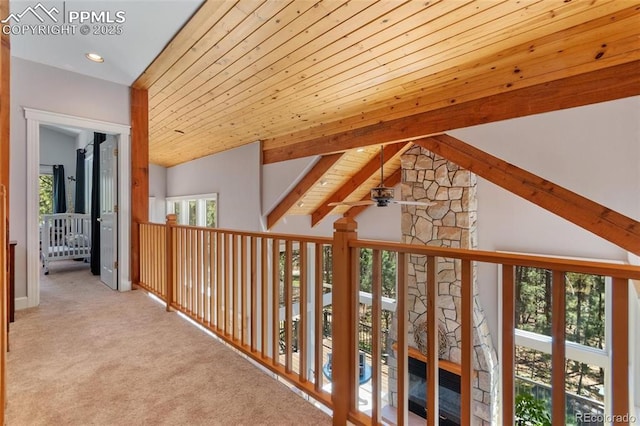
{"type": "Point", "coordinates": [596, 218]}
{"type": "Point", "coordinates": [364, 174]}
{"type": "Point", "coordinates": [606, 84]}
{"type": "Point", "coordinates": [392, 180]}
{"type": "Point", "coordinates": [301, 188]}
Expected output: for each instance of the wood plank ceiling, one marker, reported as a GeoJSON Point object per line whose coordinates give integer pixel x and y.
{"type": "Point", "coordinates": [285, 72]}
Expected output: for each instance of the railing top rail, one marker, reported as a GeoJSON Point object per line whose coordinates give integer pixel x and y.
{"type": "Point", "coordinates": [618, 270]}
{"type": "Point", "coordinates": [269, 235]}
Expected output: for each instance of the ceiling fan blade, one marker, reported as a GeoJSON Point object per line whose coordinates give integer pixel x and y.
{"type": "Point", "coordinates": [414, 203]}
{"type": "Point", "coordinates": [352, 203]}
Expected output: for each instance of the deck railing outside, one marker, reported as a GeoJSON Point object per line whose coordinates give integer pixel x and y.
{"type": "Point", "coordinates": [239, 285]}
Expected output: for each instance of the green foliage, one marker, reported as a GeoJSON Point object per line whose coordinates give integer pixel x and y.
{"type": "Point", "coordinates": [531, 411]}
{"type": "Point", "coordinates": [585, 324]}
{"type": "Point", "coordinates": [46, 195]}
{"type": "Point", "coordinates": [211, 213]}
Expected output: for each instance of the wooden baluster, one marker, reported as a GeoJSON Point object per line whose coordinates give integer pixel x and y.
{"type": "Point", "coordinates": [508, 343]}
{"type": "Point", "coordinates": [254, 293]}
{"type": "Point", "coordinates": [199, 276]}
{"type": "Point", "coordinates": [319, 318]}
{"type": "Point", "coordinates": [211, 290]}
{"type": "Point", "coordinates": [433, 371]}
{"type": "Point", "coordinates": [243, 291]}
{"type": "Point", "coordinates": [288, 301]}
{"type": "Point", "coordinates": [169, 258]}
{"type": "Point", "coordinates": [228, 277]}
{"type": "Point", "coordinates": [620, 351]}
{"type": "Point", "coordinates": [344, 300]}
{"type": "Point", "coordinates": [275, 302]}
{"type": "Point", "coordinates": [402, 344]}
{"type": "Point", "coordinates": [558, 308]}
{"type": "Point", "coordinates": [376, 319]}
{"type": "Point", "coordinates": [219, 283]}
{"type": "Point", "coordinates": [264, 291]}
{"type": "Point", "coordinates": [302, 325]}
{"type": "Point", "coordinates": [234, 289]}
{"type": "Point", "coordinates": [466, 323]}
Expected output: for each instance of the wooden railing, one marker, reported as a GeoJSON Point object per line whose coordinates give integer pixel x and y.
{"type": "Point", "coordinates": [231, 282]}
{"type": "Point", "coordinates": [4, 338]}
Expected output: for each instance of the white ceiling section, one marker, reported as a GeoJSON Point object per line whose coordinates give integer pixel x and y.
{"type": "Point", "coordinates": [148, 26]}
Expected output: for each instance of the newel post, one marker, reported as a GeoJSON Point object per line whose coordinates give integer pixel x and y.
{"type": "Point", "coordinates": [170, 253]}
{"type": "Point", "coordinates": [343, 321]}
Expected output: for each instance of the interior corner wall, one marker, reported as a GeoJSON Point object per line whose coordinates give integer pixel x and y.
{"type": "Point", "coordinates": [592, 150]}
{"type": "Point", "coordinates": [51, 89]}
{"type": "Point", "coordinates": [234, 175]}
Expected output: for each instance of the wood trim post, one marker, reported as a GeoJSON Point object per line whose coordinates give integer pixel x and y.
{"type": "Point", "coordinates": [466, 322]}
{"type": "Point", "coordinates": [620, 350]}
{"type": "Point", "coordinates": [343, 372]}
{"type": "Point", "coordinates": [139, 173]}
{"type": "Point", "coordinates": [170, 251]}
{"type": "Point", "coordinates": [5, 108]}
{"type": "Point", "coordinates": [433, 370]}
{"type": "Point", "coordinates": [508, 343]}
{"type": "Point", "coordinates": [558, 348]}
{"type": "Point", "coordinates": [4, 336]}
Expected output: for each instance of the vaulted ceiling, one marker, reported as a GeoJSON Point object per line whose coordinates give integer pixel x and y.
{"type": "Point", "coordinates": [321, 77]}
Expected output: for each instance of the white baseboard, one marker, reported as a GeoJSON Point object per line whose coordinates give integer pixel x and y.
{"type": "Point", "coordinates": [21, 303]}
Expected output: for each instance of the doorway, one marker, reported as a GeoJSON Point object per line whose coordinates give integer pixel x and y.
{"type": "Point", "coordinates": [121, 186]}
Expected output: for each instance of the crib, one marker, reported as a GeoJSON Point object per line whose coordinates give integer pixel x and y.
{"type": "Point", "coordinates": [65, 236]}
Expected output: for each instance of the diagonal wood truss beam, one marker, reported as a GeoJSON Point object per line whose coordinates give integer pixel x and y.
{"type": "Point", "coordinates": [364, 174]}
{"type": "Point", "coordinates": [305, 184]}
{"type": "Point", "coordinates": [596, 218]}
{"type": "Point", "coordinates": [607, 84]}
{"type": "Point", "coordinates": [390, 181]}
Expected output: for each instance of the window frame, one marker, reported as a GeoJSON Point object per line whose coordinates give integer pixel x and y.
{"type": "Point", "coordinates": [201, 208]}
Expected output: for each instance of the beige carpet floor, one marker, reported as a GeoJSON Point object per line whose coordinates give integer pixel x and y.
{"type": "Point", "coordinates": [92, 356]}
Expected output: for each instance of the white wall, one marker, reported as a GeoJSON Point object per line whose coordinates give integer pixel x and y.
{"type": "Point", "coordinates": [157, 193]}
{"type": "Point", "coordinates": [592, 150]}
{"type": "Point", "coordinates": [58, 148]}
{"type": "Point", "coordinates": [51, 89]}
{"type": "Point", "coordinates": [234, 175]}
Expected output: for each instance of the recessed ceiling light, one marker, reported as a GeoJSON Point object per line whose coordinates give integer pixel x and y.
{"type": "Point", "coordinates": [300, 203]}
{"type": "Point", "coordinates": [360, 150]}
{"type": "Point", "coordinates": [323, 182]}
{"type": "Point", "coordinates": [94, 57]}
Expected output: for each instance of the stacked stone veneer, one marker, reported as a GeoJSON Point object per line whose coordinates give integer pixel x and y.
{"type": "Point", "coordinates": [451, 222]}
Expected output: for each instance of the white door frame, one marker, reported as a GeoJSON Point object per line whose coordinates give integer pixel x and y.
{"type": "Point", "coordinates": [122, 132]}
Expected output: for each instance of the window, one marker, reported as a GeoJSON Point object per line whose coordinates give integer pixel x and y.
{"type": "Point", "coordinates": [195, 210]}
{"type": "Point", "coordinates": [587, 307]}
{"type": "Point", "coordinates": [46, 195]}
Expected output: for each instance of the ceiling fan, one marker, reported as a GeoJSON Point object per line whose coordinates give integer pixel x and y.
{"type": "Point", "coordinates": [381, 196]}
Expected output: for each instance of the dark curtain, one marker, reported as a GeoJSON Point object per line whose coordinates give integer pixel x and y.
{"type": "Point", "coordinates": [98, 138]}
{"type": "Point", "coordinates": [59, 194]}
{"type": "Point", "coordinates": [79, 201]}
